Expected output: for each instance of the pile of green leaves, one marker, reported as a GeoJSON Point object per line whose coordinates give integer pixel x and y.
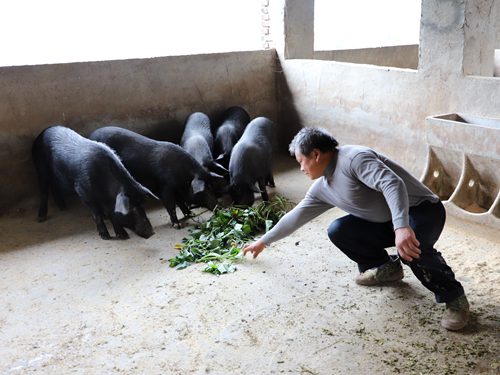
{"type": "Point", "coordinates": [219, 241]}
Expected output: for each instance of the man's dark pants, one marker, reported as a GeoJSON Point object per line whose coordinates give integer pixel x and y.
{"type": "Point", "coordinates": [364, 242]}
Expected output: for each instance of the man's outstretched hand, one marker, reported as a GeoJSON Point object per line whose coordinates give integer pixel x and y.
{"type": "Point", "coordinates": [255, 248]}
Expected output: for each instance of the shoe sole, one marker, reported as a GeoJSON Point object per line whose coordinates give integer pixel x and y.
{"type": "Point", "coordinates": [375, 282]}
{"type": "Point", "coordinates": [454, 327]}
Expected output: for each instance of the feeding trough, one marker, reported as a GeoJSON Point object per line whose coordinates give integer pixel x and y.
{"type": "Point", "coordinates": [463, 165]}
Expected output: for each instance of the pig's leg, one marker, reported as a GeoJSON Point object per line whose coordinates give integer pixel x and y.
{"type": "Point", "coordinates": [169, 203]}
{"type": "Point", "coordinates": [43, 184]}
{"type": "Point", "coordinates": [99, 222]}
{"type": "Point", "coordinates": [270, 180]}
{"type": "Point", "coordinates": [98, 217]}
{"type": "Point", "coordinates": [120, 232]}
{"type": "Point", "coordinates": [44, 200]}
{"type": "Point", "coordinates": [263, 191]}
{"type": "Point", "coordinates": [184, 208]}
{"type": "Point", "coordinates": [181, 200]}
{"type": "Point", "coordinates": [58, 198]}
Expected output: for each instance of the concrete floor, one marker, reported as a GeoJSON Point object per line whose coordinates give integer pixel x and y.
{"type": "Point", "coordinates": [75, 304]}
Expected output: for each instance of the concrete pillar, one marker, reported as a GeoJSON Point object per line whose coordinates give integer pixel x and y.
{"type": "Point", "coordinates": [481, 18]}
{"type": "Point", "coordinates": [441, 46]}
{"type": "Point", "coordinates": [467, 52]}
{"type": "Point", "coordinates": [496, 18]}
{"type": "Point", "coordinates": [299, 29]}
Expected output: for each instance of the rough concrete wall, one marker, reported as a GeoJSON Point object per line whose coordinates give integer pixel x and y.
{"type": "Point", "coordinates": [395, 56]}
{"type": "Point", "coordinates": [386, 107]}
{"type": "Point", "coordinates": [152, 96]}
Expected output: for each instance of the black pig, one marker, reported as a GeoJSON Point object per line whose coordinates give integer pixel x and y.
{"type": "Point", "coordinates": [251, 162]}
{"type": "Point", "coordinates": [198, 141]}
{"type": "Point", "coordinates": [233, 122]}
{"type": "Point", "coordinates": [69, 163]}
{"type": "Point", "coordinates": [164, 167]}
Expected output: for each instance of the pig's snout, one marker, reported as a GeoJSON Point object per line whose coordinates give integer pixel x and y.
{"type": "Point", "coordinates": [146, 234]}
{"type": "Point", "coordinates": [145, 230]}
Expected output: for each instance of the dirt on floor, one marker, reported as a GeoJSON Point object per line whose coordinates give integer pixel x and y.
{"type": "Point", "coordinates": [75, 304]}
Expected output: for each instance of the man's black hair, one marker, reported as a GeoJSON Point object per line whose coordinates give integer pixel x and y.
{"type": "Point", "coordinates": [308, 139]}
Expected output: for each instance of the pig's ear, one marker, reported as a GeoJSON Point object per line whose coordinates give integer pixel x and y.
{"type": "Point", "coordinates": [150, 193]}
{"type": "Point", "coordinates": [198, 185]}
{"type": "Point", "coordinates": [215, 175]}
{"type": "Point", "coordinates": [122, 203]}
{"type": "Point", "coordinates": [218, 168]}
{"type": "Point", "coordinates": [144, 191]}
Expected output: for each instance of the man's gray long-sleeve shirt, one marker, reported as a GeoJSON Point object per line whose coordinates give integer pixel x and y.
{"type": "Point", "coordinates": [361, 182]}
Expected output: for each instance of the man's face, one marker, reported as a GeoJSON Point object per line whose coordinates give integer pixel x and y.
{"type": "Point", "coordinates": [310, 164]}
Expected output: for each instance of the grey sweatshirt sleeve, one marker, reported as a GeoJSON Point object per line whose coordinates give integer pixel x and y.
{"type": "Point", "coordinates": [375, 174]}
{"type": "Point", "coordinates": [307, 209]}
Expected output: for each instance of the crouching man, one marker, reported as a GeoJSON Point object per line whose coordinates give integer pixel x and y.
{"type": "Point", "coordinates": [386, 207]}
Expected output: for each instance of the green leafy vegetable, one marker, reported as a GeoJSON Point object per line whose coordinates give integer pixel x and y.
{"type": "Point", "coordinates": [219, 241]}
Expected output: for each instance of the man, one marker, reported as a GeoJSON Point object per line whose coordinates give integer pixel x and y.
{"type": "Point", "coordinates": [386, 206]}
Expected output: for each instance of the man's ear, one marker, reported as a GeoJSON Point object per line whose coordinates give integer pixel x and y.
{"type": "Point", "coordinates": [316, 154]}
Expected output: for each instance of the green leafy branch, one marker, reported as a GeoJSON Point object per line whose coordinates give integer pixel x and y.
{"type": "Point", "coordinates": [219, 241]}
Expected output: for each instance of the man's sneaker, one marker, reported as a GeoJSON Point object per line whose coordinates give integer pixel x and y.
{"type": "Point", "coordinates": [456, 315]}
{"type": "Point", "coordinates": [390, 271]}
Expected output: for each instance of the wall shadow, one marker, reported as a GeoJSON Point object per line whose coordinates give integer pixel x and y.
{"type": "Point", "coordinates": [289, 121]}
